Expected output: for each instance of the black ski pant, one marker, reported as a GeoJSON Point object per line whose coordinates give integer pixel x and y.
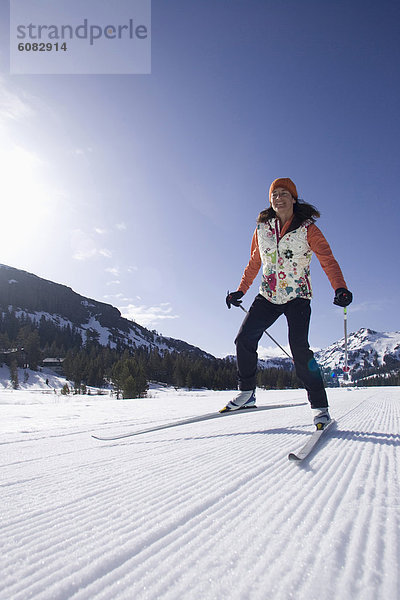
{"type": "Point", "coordinates": [263, 314]}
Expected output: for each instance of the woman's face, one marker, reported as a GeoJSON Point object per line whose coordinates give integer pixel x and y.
{"type": "Point", "coordinates": [282, 200]}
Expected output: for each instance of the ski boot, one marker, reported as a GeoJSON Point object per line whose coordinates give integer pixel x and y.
{"type": "Point", "coordinates": [243, 400]}
{"type": "Point", "coordinates": [322, 417]}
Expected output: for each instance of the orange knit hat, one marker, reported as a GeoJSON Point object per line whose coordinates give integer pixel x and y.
{"type": "Point", "coordinates": [283, 182]}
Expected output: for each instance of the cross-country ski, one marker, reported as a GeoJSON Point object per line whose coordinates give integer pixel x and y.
{"type": "Point", "coordinates": [191, 420]}
{"type": "Point", "coordinates": [311, 443]}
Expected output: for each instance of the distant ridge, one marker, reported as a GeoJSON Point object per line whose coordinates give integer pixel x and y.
{"type": "Point", "coordinates": [34, 297]}
{"type": "Point", "coordinates": [368, 350]}
{"type": "Point", "coordinates": [31, 296]}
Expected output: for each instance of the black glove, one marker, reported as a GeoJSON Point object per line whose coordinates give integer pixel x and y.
{"type": "Point", "coordinates": [343, 297]}
{"type": "Point", "coordinates": [234, 298]}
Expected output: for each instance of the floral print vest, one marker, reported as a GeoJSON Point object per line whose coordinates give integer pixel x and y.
{"type": "Point", "coordinates": [285, 262]}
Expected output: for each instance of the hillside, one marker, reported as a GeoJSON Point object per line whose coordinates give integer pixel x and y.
{"type": "Point", "coordinates": [28, 295]}
{"type": "Point", "coordinates": [367, 349]}
{"type": "Point", "coordinates": [66, 321]}
{"type": "Point", "coordinates": [368, 352]}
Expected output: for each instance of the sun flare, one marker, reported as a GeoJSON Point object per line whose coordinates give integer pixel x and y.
{"type": "Point", "coordinates": [26, 204]}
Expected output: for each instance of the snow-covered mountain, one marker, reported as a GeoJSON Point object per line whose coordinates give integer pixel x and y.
{"type": "Point", "coordinates": [367, 349]}
{"type": "Point", "coordinates": [275, 362]}
{"type": "Point", "coordinates": [26, 295]}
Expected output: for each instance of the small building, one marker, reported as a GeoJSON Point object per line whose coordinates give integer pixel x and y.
{"type": "Point", "coordinates": [55, 364]}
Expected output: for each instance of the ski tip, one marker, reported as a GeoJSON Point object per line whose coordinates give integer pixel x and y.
{"type": "Point", "coordinates": [241, 408]}
{"type": "Point", "coordinates": [102, 439]}
{"type": "Point", "coordinates": [293, 456]}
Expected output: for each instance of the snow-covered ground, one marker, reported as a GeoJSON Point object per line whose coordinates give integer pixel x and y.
{"type": "Point", "coordinates": [207, 511]}
{"type": "Point", "coordinates": [32, 380]}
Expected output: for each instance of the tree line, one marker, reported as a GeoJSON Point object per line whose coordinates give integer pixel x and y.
{"type": "Point", "coordinates": [25, 342]}
{"type": "Point", "coordinates": [378, 380]}
{"type": "Point", "coordinates": [130, 372]}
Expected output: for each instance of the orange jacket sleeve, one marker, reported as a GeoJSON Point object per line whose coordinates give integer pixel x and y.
{"type": "Point", "coordinates": [250, 272]}
{"type": "Point", "coordinates": [323, 252]}
{"type": "Point", "coordinates": [318, 245]}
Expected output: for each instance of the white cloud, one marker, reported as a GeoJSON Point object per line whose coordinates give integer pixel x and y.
{"type": "Point", "coordinates": [82, 151]}
{"type": "Point", "coordinates": [148, 315]}
{"type": "Point", "coordinates": [100, 231]}
{"type": "Point", "coordinates": [114, 282]}
{"type": "Point", "coordinates": [121, 226]}
{"type": "Point", "coordinates": [84, 247]}
{"type": "Point", "coordinates": [113, 270]}
{"type": "Point", "coordinates": [266, 352]}
{"type": "Point", "coordinates": [272, 352]}
{"type": "Point", "coordinates": [368, 306]}
{"type": "Point", "coordinates": [105, 252]}
{"type": "Point", "coordinates": [117, 298]}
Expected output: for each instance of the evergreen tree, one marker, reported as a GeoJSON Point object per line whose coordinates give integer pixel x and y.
{"type": "Point", "coordinates": [32, 350]}
{"type": "Point", "coordinates": [14, 374]}
{"type": "Point", "coordinates": [129, 388]}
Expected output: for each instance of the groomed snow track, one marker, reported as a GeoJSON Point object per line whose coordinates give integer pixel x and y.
{"type": "Point", "coordinates": [209, 511]}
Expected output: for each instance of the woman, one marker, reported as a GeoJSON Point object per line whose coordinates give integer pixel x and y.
{"type": "Point", "coordinates": [283, 243]}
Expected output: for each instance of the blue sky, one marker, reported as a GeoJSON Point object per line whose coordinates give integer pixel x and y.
{"type": "Point", "coordinates": [143, 190]}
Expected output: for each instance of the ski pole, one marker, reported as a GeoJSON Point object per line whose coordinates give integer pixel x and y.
{"type": "Point", "coordinates": [346, 368]}
{"type": "Point", "coordinates": [270, 336]}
